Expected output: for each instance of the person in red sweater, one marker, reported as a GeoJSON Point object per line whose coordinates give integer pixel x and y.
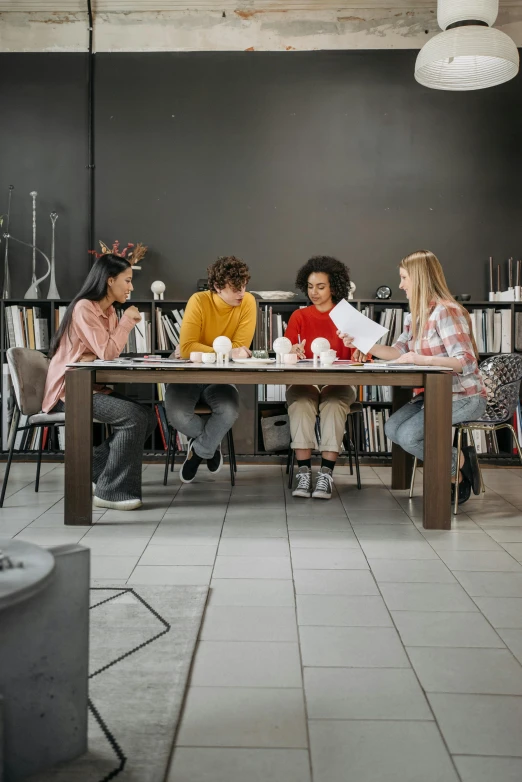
{"type": "Point", "coordinates": [325, 281]}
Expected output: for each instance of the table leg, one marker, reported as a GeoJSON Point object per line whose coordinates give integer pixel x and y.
{"type": "Point", "coordinates": [402, 462]}
{"type": "Point", "coordinates": [437, 452]}
{"type": "Point", "coordinates": [78, 446]}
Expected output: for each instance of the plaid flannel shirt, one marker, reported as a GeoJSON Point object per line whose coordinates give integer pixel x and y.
{"type": "Point", "coordinates": [447, 334]}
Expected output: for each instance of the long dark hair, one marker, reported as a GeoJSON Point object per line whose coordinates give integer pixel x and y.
{"type": "Point", "coordinates": [93, 289]}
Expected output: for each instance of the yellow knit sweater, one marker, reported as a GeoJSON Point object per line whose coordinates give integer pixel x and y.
{"type": "Point", "coordinates": [207, 316]}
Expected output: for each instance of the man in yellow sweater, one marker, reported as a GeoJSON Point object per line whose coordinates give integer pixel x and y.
{"type": "Point", "coordinates": [226, 309]}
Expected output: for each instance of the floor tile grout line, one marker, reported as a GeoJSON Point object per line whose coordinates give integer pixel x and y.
{"type": "Point", "coordinates": [299, 648]}
{"type": "Point", "coordinates": [495, 629]}
{"type": "Point", "coordinates": [238, 746]}
{"type": "Point", "coordinates": [443, 739]}
{"type": "Point", "coordinates": [189, 684]}
{"type": "Point", "coordinates": [467, 755]}
{"type": "Point", "coordinates": [176, 492]}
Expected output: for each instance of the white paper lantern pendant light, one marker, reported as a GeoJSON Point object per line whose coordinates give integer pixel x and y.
{"type": "Point", "coordinates": [469, 54]}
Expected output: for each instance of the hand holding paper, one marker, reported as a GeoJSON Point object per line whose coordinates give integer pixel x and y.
{"type": "Point", "coordinates": [364, 331]}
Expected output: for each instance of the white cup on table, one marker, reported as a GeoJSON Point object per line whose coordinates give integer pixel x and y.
{"type": "Point", "coordinates": [328, 357]}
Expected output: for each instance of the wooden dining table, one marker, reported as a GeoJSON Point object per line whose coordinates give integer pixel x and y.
{"type": "Point", "coordinates": [437, 385]}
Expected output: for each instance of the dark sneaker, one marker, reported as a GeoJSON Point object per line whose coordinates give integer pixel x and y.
{"type": "Point", "coordinates": [190, 466]}
{"type": "Point", "coordinates": [323, 485]}
{"type": "Point", "coordinates": [216, 463]}
{"type": "Point", "coordinates": [303, 486]}
{"type": "Point", "coordinates": [471, 469]}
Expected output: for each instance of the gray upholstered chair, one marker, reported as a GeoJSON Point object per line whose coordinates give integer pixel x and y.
{"type": "Point", "coordinates": [28, 373]}
{"type": "Point", "coordinates": [502, 376]}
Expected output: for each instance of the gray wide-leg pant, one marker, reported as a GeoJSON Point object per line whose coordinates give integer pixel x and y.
{"type": "Point", "coordinates": [117, 462]}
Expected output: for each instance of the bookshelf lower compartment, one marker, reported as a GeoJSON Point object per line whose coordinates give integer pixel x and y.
{"type": "Point", "coordinates": [262, 457]}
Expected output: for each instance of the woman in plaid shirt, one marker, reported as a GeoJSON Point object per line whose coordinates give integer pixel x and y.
{"type": "Point", "coordinates": [437, 333]}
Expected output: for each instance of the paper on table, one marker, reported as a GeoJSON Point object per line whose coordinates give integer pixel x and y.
{"type": "Point", "coordinates": [365, 331]}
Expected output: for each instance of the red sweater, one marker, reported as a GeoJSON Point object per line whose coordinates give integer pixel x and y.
{"type": "Point", "coordinates": [308, 324]}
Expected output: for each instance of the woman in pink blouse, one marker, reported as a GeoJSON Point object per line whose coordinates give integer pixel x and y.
{"type": "Point", "coordinates": [438, 333]}
{"type": "Point", "coordinates": [90, 329]}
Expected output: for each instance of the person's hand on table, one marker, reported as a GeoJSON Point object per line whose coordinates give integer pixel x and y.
{"type": "Point", "coordinates": [177, 352]}
{"type": "Point", "coordinates": [412, 358]}
{"type": "Point", "coordinates": [242, 352]}
{"type": "Point", "coordinates": [134, 313]}
{"type": "Point", "coordinates": [358, 356]}
{"type": "Point", "coordinates": [299, 349]}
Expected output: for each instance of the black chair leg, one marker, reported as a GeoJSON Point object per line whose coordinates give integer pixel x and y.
{"type": "Point", "coordinates": [288, 459]}
{"type": "Point", "coordinates": [349, 427]}
{"type": "Point", "coordinates": [39, 463]}
{"type": "Point", "coordinates": [233, 446]}
{"type": "Point", "coordinates": [174, 449]}
{"type": "Point", "coordinates": [355, 430]}
{"type": "Point", "coordinates": [167, 457]}
{"type": "Point", "coordinates": [291, 468]}
{"type": "Point", "coordinates": [231, 457]}
{"type": "Point", "coordinates": [14, 430]}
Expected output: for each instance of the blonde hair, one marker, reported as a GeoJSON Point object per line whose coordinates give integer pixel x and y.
{"type": "Point", "coordinates": [428, 286]}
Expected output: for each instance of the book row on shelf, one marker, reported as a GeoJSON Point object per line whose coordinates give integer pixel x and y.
{"type": "Point", "coordinates": [25, 327]}
{"type": "Point", "coordinates": [271, 393]}
{"type": "Point", "coordinates": [270, 325]}
{"type": "Point", "coordinates": [374, 438]}
{"type": "Point", "coordinates": [161, 417]}
{"type": "Point", "coordinates": [29, 325]}
{"type": "Point", "coordinates": [168, 328]}
{"type": "Point", "coordinates": [492, 330]}
{"type": "Point", "coordinates": [392, 318]}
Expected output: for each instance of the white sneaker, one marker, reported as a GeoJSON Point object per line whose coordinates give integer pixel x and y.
{"type": "Point", "coordinates": [323, 485]}
{"type": "Point", "coordinates": [303, 487]}
{"type": "Point", "coordinates": [121, 505]}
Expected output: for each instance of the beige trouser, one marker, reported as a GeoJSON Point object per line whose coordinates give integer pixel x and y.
{"type": "Point", "coordinates": [331, 403]}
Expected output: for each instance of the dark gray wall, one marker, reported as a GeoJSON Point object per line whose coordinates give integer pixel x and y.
{"type": "Point", "coordinates": [43, 147]}
{"type": "Point", "coordinates": [270, 156]}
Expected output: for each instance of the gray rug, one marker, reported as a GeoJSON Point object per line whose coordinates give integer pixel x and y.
{"type": "Point", "coordinates": [142, 641]}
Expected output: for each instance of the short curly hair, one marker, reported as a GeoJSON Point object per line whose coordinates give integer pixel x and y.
{"type": "Point", "coordinates": [338, 275]}
{"type": "Point", "coordinates": [228, 270]}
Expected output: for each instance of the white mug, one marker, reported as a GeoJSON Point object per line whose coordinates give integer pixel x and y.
{"type": "Point", "coordinates": [196, 356]}
{"type": "Point", "coordinates": [209, 358]}
{"type": "Point", "coordinates": [328, 356]}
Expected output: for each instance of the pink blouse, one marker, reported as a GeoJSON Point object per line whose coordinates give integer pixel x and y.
{"type": "Point", "coordinates": [92, 331]}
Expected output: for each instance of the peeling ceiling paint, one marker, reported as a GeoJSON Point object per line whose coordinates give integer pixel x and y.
{"type": "Point", "coordinates": [244, 6]}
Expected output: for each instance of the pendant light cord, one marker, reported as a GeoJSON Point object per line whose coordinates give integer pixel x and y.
{"type": "Point", "coordinates": [90, 129]}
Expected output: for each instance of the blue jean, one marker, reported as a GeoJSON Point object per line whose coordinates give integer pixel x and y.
{"type": "Point", "coordinates": [209, 430]}
{"type": "Point", "coordinates": [406, 426]}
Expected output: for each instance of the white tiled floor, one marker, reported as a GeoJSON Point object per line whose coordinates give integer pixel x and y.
{"type": "Point", "coordinates": [341, 640]}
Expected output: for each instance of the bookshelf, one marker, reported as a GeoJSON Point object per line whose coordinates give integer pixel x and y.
{"type": "Point", "coordinates": [280, 312]}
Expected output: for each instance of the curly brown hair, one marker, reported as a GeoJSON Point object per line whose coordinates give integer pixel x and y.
{"type": "Point", "coordinates": [338, 275]}
{"type": "Point", "coordinates": [228, 270]}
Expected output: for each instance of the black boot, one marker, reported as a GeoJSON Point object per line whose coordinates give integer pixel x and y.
{"type": "Point", "coordinates": [470, 468]}
{"type": "Point", "coordinates": [464, 490]}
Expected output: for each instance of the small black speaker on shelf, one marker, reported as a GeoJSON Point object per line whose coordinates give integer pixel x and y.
{"type": "Point", "coordinates": [202, 284]}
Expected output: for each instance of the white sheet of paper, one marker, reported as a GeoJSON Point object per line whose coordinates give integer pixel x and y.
{"type": "Point", "coordinates": [365, 331]}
